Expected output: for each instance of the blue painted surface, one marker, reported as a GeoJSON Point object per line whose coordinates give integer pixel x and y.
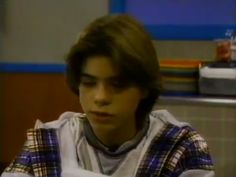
{"type": "Point", "coordinates": [31, 68]}
{"type": "Point", "coordinates": [188, 32]}
{"type": "Point", "coordinates": [117, 6]}
{"type": "Point", "coordinates": [179, 19]}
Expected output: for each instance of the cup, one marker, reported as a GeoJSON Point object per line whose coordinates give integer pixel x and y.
{"type": "Point", "coordinates": [233, 50]}
{"type": "Point", "coordinates": [223, 50]}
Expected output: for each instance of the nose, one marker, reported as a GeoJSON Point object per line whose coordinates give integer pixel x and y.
{"type": "Point", "coordinates": [102, 95]}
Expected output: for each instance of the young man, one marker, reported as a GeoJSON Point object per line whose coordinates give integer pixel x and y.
{"type": "Point", "coordinates": [113, 68]}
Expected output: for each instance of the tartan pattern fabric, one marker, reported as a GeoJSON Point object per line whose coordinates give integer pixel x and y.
{"type": "Point", "coordinates": [173, 151]}
{"type": "Point", "coordinates": [21, 163]}
{"type": "Point", "coordinates": [170, 153]}
{"type": "Point", "coordinates": [40, 156]}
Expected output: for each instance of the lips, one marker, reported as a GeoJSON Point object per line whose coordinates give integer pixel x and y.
{"type": "Point", "coordinates": [101, 116]}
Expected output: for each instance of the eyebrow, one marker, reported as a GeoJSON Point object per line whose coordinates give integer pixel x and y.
{"type": "Point", "coordinates": [89, 76]}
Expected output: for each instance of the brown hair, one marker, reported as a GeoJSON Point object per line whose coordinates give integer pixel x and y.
{"type": "Point", "coordinates": [122, 39]}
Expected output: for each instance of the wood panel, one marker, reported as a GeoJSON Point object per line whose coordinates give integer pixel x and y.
{"type": "Point", "coordinates": [26, 97]}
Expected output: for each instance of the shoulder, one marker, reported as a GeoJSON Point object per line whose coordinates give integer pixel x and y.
{"type": "Point", "coordinates": [60, 121]}
{"type": "Point", "coordinates": [164, 126]}
{"type": "Point", "coordinates": [167, 118]}
{"type": "Point", "coordinates": [182, 129]}
{"type": "Point", "coordinates": [43, 144]}
{"type": "Point", "coordinates": [181, 145]}
{"type": "Point", "coordinates": [189, 150]}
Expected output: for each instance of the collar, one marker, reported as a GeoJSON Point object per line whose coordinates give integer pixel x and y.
{"type": "Point", "coordinates": [115, 151]}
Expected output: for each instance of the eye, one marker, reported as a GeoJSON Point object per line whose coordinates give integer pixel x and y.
{"type": "Point", "coordinates": [87, 83]}
{"type": "Point", "coordinates": [118, 84]}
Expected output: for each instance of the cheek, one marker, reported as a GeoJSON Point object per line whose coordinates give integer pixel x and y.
{"type": "Point", "coordinates": [129, 102]}
{"type": "Point", "coordinates": [134, 102]}
{"type": "Point", "coordinates": [83, 98]}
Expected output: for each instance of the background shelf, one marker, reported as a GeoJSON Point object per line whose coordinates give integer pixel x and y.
{"type": "Point", "coordinates": [229, 101]}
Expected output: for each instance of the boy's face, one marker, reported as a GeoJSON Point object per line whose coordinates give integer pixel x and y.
{"type": "Point", "coordinates": [110, 105]}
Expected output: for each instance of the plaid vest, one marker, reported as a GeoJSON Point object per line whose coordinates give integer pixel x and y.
{"type": "Point", "coordinates": [40, 157]}
{"type": "Point", "coordinates": [171, 152]}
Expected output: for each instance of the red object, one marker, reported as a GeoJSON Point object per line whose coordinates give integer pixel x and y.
{"type": "Point", "coordinates": [223, 51]}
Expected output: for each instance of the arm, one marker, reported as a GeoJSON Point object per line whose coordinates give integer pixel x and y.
{"type": "Point", "coordinates": [21, 165]}
{"type": "Point", "coordinates": [39, 157]}
{"type": "Point", "coordinates": [198, 173]}
{"type": "Point", "coordinates": [193, 156]}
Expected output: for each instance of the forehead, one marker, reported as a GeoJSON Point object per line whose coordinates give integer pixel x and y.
{"type": "Point", "coordinates": [100, 67]}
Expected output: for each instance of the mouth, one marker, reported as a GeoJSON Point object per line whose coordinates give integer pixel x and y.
{"type": "Point", "coordinates": [101, 116]}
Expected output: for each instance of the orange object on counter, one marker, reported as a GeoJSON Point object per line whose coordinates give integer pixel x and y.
{"type": "Point", "coordinates": [177, 63]}
{"type": "Point", "coordinates": [223, 52]}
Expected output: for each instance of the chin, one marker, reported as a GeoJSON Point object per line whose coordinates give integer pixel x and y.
{"type": "Point", "coordinates": [103, 128]}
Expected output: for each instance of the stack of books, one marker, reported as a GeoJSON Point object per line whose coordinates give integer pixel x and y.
{"type": "Point", "coordinates": [180, 77]}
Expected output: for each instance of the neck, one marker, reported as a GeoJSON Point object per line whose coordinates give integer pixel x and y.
{"type": "Point", "coordinates": [116, 137]}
